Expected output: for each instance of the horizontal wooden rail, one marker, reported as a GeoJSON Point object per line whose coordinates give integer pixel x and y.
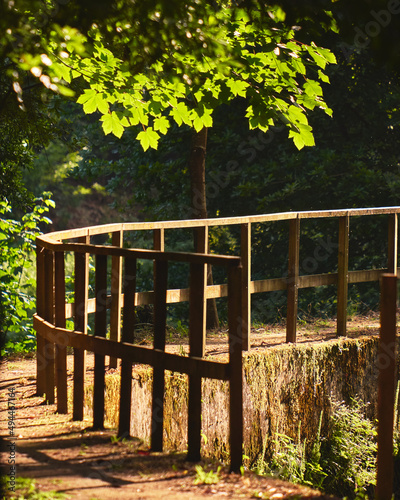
{"type": "Point", "coordinates": [132, 353]}
{"type": "Point", "coordinates": [221, 221]}
{"type": "Point", "coordinates": [115, 289]}
{"type": "Point", "coordinates": [175, 296]}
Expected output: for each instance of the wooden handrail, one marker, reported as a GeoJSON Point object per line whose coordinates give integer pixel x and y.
{"type": "Point", "coordinates": [60, 241]}
{"type": "Point", "coordinates": [122, 298]}
{"type": "Point", "coordinates": [221, 221]}
{"type": "Point", "coordinates": [53, 337]}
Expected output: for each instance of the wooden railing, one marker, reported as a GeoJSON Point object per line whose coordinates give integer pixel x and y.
{"type": "Point", "coordinates": [53, 337]}
{"type": "Point", "coordinates": [52, 309]}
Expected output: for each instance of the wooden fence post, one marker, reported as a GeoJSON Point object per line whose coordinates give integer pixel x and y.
{"type": "Point", "coordinates": [49, 348]}
{"type": "Point", "coordinates": [343, 275]}
{"type": "Point", "coordinates": [197, 320]}
{"type": "Point", "coordinates": [201, 246]}
{"type": "Point", "coordinates": [160, 276]}
{"type": "Point", "coordinates": [40, 309]}
{"type": "Point", "coordinates": [392, 246]}
{"type": "Point", "coordinates": [160, 320]}
{"type": "Point", "coordinates": [100, 330]}
{"type": "Point", "coordinates": [235, 321]}
{"type": "Point", "coordinates": [61, 350]}
{"type": "Point", "coordinates": [80, 325]}
{"type": "Point", "coordinates": [128, 336]}
{"type": "Point", "coordinates": [245, 253]}
{"type": "Point", "coordinates": [116, 288]}
{"type": "Point", "coordinates": [293, 279]}
{"type": "Point", "coordinates": [386, 387]}
{"type": "Point", "coordinates": [158, 239]}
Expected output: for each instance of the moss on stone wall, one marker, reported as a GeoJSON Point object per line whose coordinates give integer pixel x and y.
{"type": "Point", "coordinates": [284, 388]}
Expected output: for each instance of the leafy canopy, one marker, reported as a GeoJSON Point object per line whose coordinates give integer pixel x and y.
{"type": "Point", "coordinates": [237, 54]}
{"type": "Point", "coordinates": [271, 71]}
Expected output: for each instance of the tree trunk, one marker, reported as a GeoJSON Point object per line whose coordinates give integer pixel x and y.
{"type": "Point", "coordinates": [197, 169]}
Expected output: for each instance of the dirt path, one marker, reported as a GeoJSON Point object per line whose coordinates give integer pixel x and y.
{"type": "Point", "coordinates": [66, 457]}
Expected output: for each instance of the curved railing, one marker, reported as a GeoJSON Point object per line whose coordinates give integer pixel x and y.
{"type": "Point", "coordinates": [115, 289]}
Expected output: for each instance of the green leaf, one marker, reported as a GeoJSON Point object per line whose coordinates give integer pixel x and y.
{"type": "Point", "coordinates": [66, 91]}
{"type": "Point", "coordinates": [180, 114]}
{"type": "Point", "coordinates": [296, 115]}
{"type": "Point", "coordinates": [148, 138]}
{"type": "Point", "coordinates": [161, 124]}
{"type": "Point", "coordinates": [138, 116]}
{"type": "Point", "coordinates": [50, 203]}
{"type": "Point", "coordinates": [307, 101]}
{"type": "Point", "coordinates": [297, 139]}
{"type": "Point", "coordinates": [312, 88]}
{"type": "Point", "coordinates": [201, 118]}
{"type": "Point", "coordinates": [112, 123]}
{"type": "Point", "coordinates": [238, 87]}
{"type": "Point", "coordinates": [324, 78]}
{"type": "Point", "coordinates": [302, 137]}
{"type": "Point", "coordinates": [93, 101]}
{"type": "Point", "coordinates": [326, 53]}
{"type": "Point", "coordinates": [320, 61]}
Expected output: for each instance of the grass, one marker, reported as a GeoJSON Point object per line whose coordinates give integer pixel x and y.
{"type": "Point", "coordinates": [26, 489]}
{"type": "Point", "coordinates": [206, 477]}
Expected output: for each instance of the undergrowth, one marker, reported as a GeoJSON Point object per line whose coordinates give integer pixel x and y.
{"type": "Point", "coordinates": [342, 463]}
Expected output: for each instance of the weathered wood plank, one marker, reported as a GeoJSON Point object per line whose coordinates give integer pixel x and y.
{"type": "Point", "coordinates": [343, 274]}
{"type": "Point", "coordinates": [160, 307]}
{"type": "Point", "coordinates": [61, 350]}
{"type": "Point", "coordinates": [116, 290]}
{"type": "Point", "coordinates": [80, 324]}
{"type": "Point", "coordinates": [128, 334]}
{"type": "Point", "coordinates": [160, 320]}
{"type": "Point", "coordinates": [100, 330]}
{"type": "Point", "coordinates": [197, 343]}
{"type": "Point", "coordinates": [386, 362]}
{"type": "Point", "coordinates": [293, 280]}
{"type": "Point", "coordinates": [197, 310]}
{"type": "Point", "coordinates": [235, 323]}
{"type": "Point", "coordinates": [245, 254]}
{"type": "Point", "coordinates": [40, 308]}
{"type": "Point", "coordinates": [313, 280]}
{"type": "Point", "coordinates": [133, 353]}
{"type": "Point", "coordinates": [213, 259]}
{"type": "Point", "coordinates": [49, 348]}
{"type": "Point", "coordinates": [159, 239]}
{"type": "Point", "coordinates": [220, 221]}
{"type": "Point", "coordinates": [268, 285]}
{"type": "Point", "coordinates": [216, 291]}
{"type": "Point", "coordinates": [364, 276]}
{"type": "Point", "coordinates": [392, 244]}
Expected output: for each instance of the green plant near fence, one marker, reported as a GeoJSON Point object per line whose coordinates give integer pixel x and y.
{"type": "Point", "coordinates": [17, 282]}
{"type": "Point", "coordinates": [342, 463]}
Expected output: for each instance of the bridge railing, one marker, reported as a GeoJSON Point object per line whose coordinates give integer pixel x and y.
{"type": "Point", "coordinates": [53, 337]}
{"type": "Point", "coordinates": [292, 281]}
{"type": "Point", "coordinates": [115, 290]}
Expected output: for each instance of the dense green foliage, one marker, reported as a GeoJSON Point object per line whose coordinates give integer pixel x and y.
{"type": "Point", "coordinates": [244, 53]}
{"type": "Point", "coordinates": [26, 126]}
{"type": "Point", "coordinates": [269, 68]}
{"type": "Point", "coordinates": [17, 283]}
{"type": "Point", "coordinates": [343, 463]}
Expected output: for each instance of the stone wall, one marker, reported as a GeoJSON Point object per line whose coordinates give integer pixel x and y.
{"type": "Point", "coordinates": [285, 387]}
